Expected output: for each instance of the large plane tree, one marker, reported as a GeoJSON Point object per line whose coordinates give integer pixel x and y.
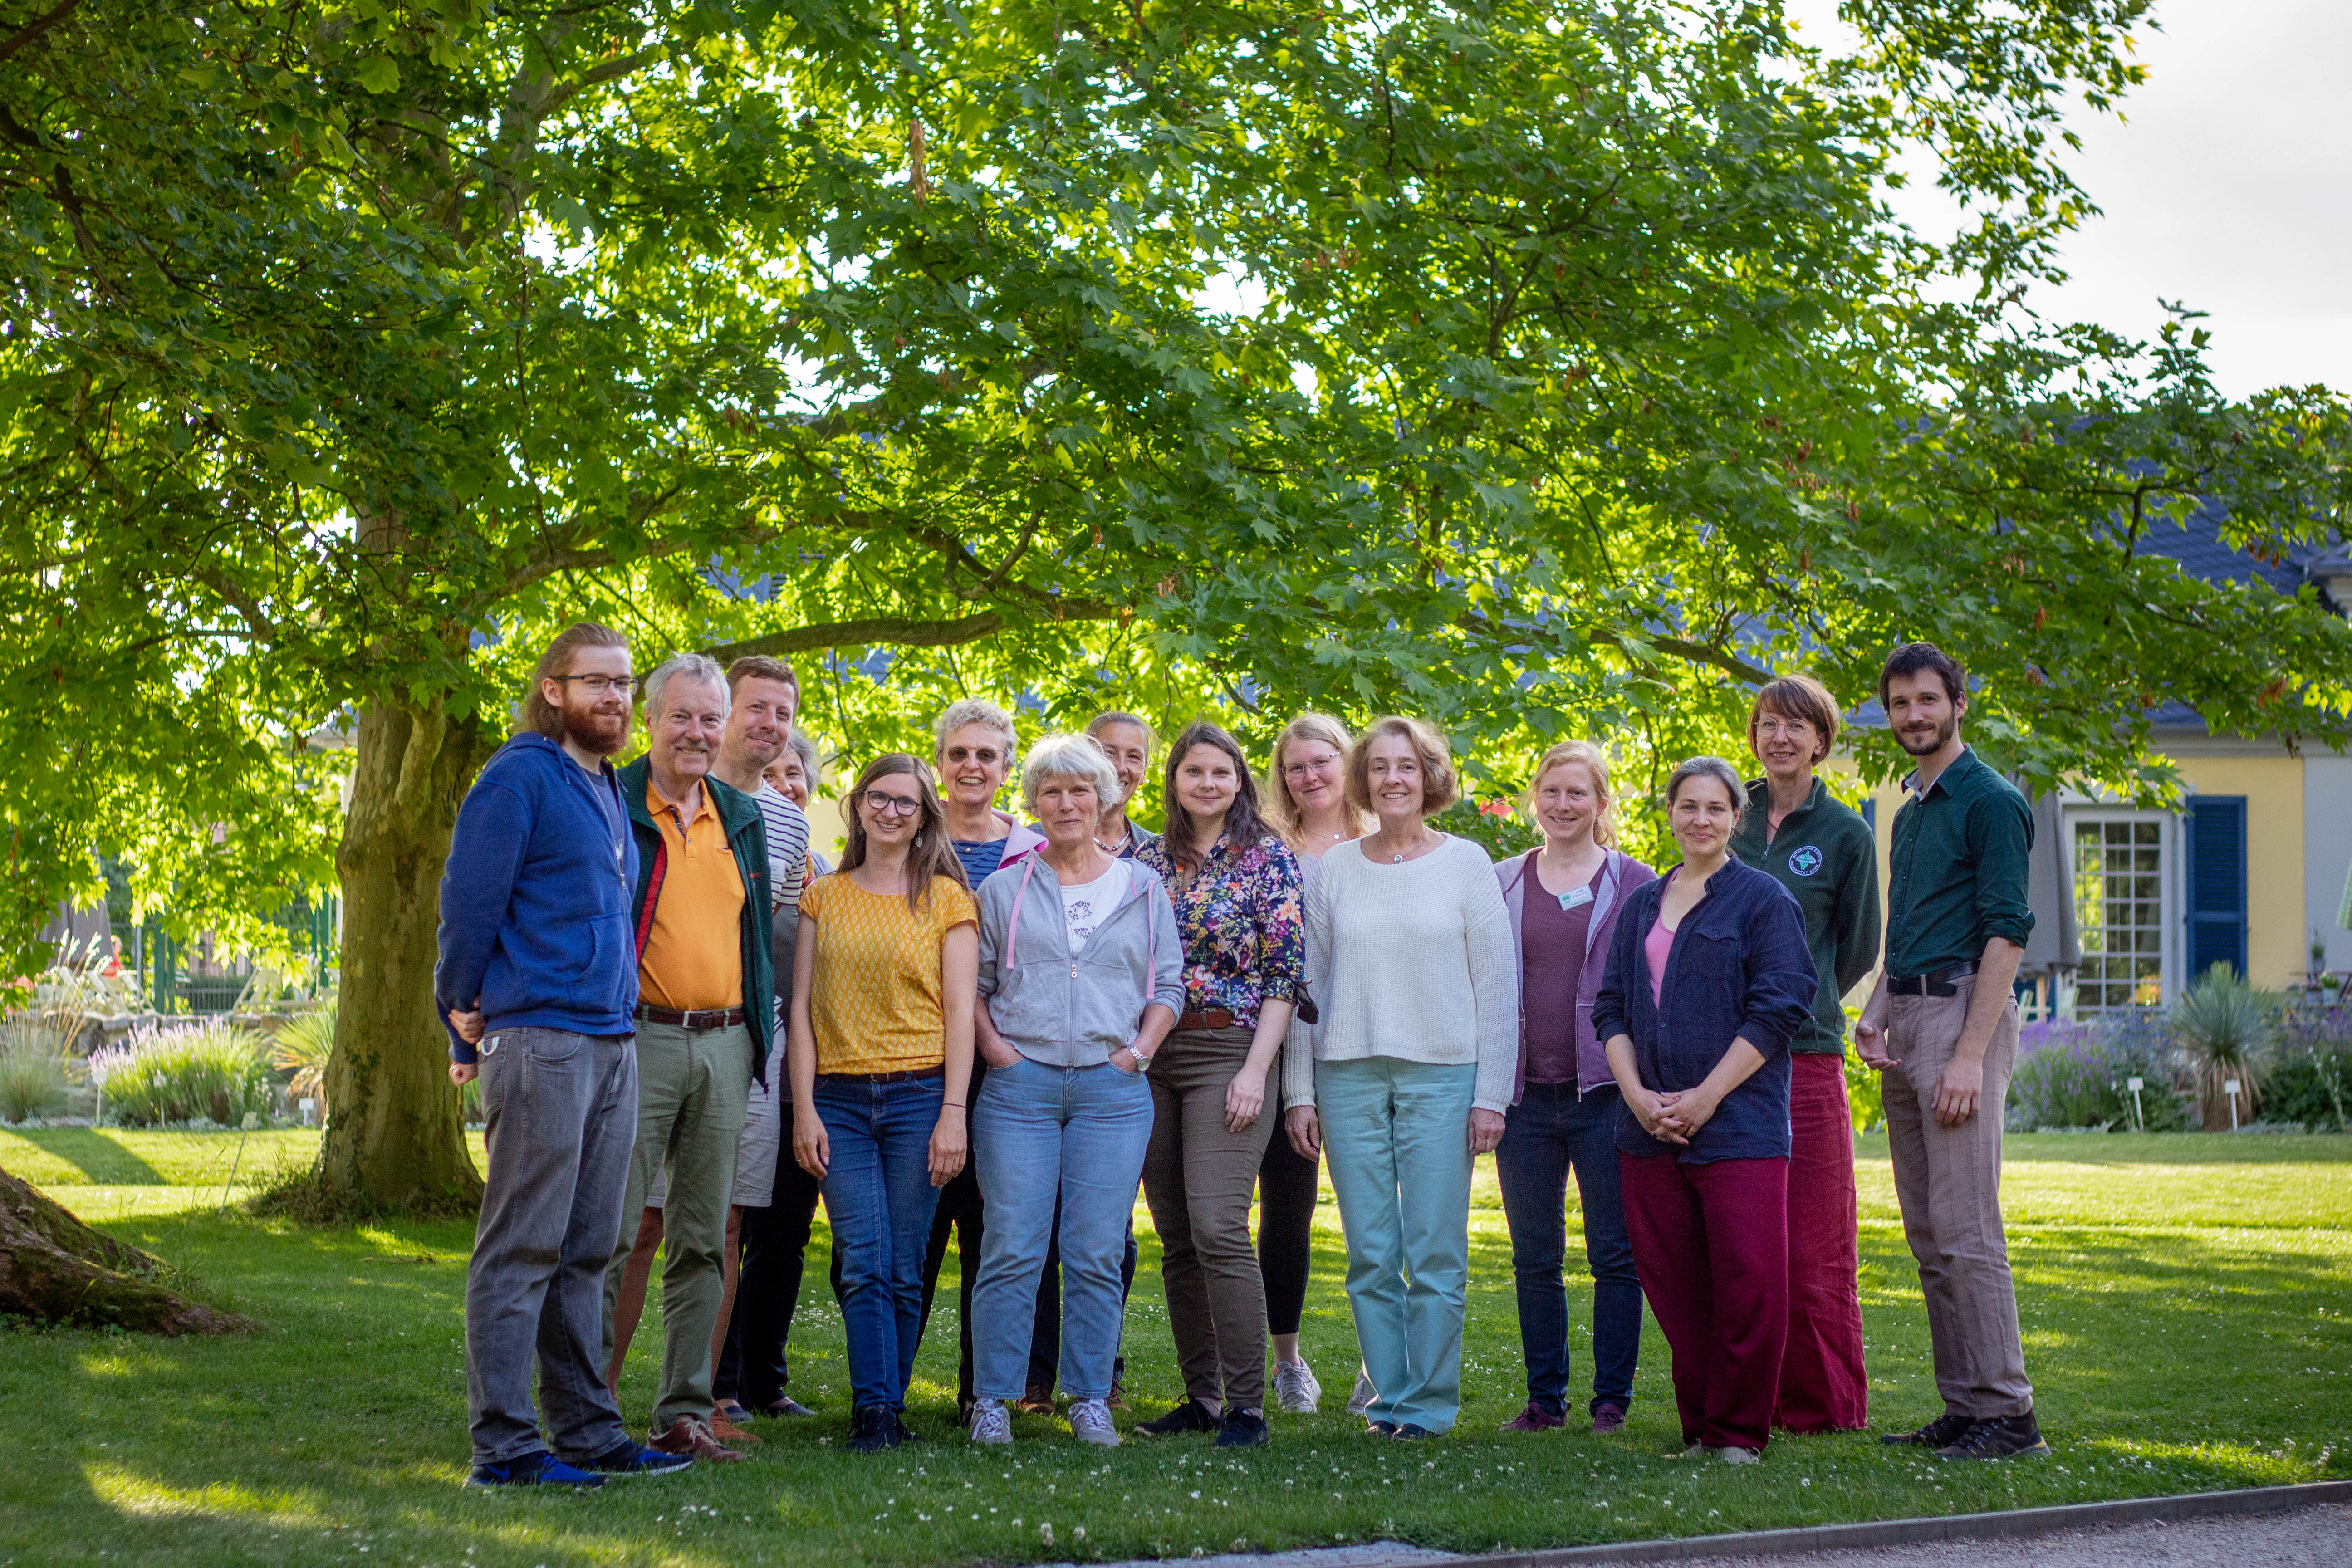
{"type": "Point", "coordinates": [1543, 366]}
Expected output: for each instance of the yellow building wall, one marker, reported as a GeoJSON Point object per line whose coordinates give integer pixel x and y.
{"type": "Point", "coordinates": [2276, 943]}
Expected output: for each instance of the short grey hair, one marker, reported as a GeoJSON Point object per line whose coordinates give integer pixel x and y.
{"type": "Point", "coordinates": [1067, 757]}
{"type": "Point", "coordinates": [1715, 768]}
{"type": "Point", "coordinates": [692, 667]}
{"type": "Point", "coordinates": [976, 711]}
{"type": "Point", "coordinates": [804, 747]}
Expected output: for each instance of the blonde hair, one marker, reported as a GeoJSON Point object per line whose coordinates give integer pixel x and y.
{"type": "Point", "coordinates": [1595, 763]}
{"type": "Point", "coordinates": [1281, 809]}
{"type": "Point", "coordinates": [1439, 785]}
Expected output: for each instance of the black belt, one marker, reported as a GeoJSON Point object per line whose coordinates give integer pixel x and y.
{"type": "Point", "coordinates": [910, 1077]}
{"type": "Point", "coordinates": [1935, 982]}
{"type": "Point", "coordinates": [692, 1019]}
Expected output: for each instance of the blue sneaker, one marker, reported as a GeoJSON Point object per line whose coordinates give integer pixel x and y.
{"type": "Point", "coordinates": [540, 1469]}
{"type": "Point", "coordinates": [628, 1459]}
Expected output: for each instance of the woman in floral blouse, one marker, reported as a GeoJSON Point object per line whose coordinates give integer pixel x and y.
{"type": "Point", "coordinates": [1236, 889]}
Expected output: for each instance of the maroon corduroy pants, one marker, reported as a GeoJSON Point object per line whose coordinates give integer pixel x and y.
{"type": "Point", "coordinates": [1711, 1245]}
{"type": "Point", "coordinates": [1823, 1388]}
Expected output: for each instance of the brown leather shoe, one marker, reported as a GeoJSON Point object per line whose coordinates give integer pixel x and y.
{"type": "Point", "coordinates": [1038, 1401]}
{"type": "Point", "coordinates": [691, 1437]}
{"type": "Point", "coordinates": [727, 1431]}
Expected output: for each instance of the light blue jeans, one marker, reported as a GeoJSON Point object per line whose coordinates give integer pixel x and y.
{"type": "Point", "coordinates": [1397, 1136]}
{"type": "Point", "coordinates": [1038, 1131]}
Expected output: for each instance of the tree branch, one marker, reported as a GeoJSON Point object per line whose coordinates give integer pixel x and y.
{"type": "Point", "coordinates": [36, 27]}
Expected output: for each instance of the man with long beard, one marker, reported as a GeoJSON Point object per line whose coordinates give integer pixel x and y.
{"type": "Point", "coordinates": [1941, 1029]}
{"type": "Point", "coordinates": [538, 979]}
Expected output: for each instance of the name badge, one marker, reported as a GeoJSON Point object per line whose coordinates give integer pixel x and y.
{"type": "Point", "coordinates": [1575, 898]}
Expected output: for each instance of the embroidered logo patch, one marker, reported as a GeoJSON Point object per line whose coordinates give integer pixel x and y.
{"type": "Point", "coordinates": [1804, 862]}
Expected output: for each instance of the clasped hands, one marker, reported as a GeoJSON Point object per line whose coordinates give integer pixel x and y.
{"type": "Point", "coordinates": [1673, 1115]}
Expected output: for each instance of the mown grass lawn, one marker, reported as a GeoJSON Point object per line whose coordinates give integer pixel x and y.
{"type": "Point", "coordinates": [2187, 1302]}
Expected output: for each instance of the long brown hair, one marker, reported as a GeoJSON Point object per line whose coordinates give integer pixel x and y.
{"type": "Point", "coordinates": [930, 854]}
{"type": "Point", "coordinates": [539, 714]}
{"type": "Point", "coordinates": [1244, 821]}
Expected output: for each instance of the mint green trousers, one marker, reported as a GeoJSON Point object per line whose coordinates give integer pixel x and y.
{"type": "Point", "coordinates": [1397, 1136]}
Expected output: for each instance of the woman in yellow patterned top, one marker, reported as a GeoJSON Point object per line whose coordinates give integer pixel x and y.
{"type": "Point", "coordinates": [884, 978]}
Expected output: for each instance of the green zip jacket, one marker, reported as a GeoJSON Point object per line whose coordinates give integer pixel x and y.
{"type": "Point", "coordinates": [749, 839]}
{"type": "Point", "coordinates": [1825, 853]}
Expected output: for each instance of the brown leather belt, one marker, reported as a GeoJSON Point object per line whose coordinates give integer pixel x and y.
{"type": "Point", "coordinates": [692, 1019]}
{"type": "Point", "coordinates": [1206, 1018]}
{"type": "Point", "coordinates": [911, 1076]}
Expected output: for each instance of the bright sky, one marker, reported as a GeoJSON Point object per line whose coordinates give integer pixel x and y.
{"type": "Point", "coordinates": [2228, 187]}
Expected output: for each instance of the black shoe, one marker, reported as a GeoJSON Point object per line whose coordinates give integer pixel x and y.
{"type": "Point", "coordinates": [905, 1433]}
{"type": "Point", "coordinates": [873, 1429]}
{"type": "Point", "coordinates": [1379, 1429]}
{"type": "Point", "coordinates": [1936, 1434]}
{"type": "Point", "coordinates": [1244, 1429]}
{"type": "Point", "coordinates": [1190, 1416]}
{"type": "Point", "coordinates": [2003, 1437]}
{"type": "Point", "coordinates": [1414, 1429]}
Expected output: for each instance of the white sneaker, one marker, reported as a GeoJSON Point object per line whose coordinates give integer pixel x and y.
{"type": "Point", "coordinates": [1090, 1422]}
{"type": "Point", "coordinates": [1295, 1392]}
{"type": "Point", "coordinates": [990, 1422]}
{"type": "Point", "coordinates": [1734, 1455]}
{"type": "Point", "coordinates": [1365, 1393]}
{"type": "Point", "coordinates": [1694, 1451]}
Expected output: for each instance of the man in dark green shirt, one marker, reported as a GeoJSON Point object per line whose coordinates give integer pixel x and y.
{"type": "Point", "coordinates": [1941, 1027]}
{"type": "Point", "coordinates": [1822, 851]}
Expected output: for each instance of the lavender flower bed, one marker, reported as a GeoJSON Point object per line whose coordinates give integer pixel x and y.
{"type": "Point", "coordinates": [2077, 1075]}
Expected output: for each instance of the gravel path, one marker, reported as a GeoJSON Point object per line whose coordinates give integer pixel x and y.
{"type": "Point", "coordinates": [2319, 1537]}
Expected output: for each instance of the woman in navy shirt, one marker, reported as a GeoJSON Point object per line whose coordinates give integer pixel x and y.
{"type": "Point", "coordinates": [1708, 977]}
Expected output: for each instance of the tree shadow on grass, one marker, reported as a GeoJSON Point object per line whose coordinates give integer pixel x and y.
{"type": "Point", "coordinates": [96, 1156]}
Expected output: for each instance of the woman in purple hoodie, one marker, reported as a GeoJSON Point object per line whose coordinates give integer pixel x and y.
{"type": "Point", "coordinates": [1564, 899]}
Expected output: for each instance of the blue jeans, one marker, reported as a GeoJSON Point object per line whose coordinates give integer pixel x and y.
{"type": "Point", "coordinates": [879, 1198]}
{"type": "Point", "coordinates": [559, 1115]}
{"type": "Point", "coordinates": [1397, 1137]}
{"type": "Point", "coordinates": [1548, 1133]}
{"type": "Point", "coordinates": [1044, 1132]}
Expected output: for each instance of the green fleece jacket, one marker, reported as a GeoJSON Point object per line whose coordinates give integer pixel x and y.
{"type": "Point", "coordinates": [1825, 854]}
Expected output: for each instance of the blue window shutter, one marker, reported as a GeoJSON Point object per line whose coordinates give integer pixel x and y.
{"type": "Point", "coordinates": [2215, 827]}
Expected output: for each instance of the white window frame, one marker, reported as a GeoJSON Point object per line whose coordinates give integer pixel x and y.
{"type": "Point", "coordinates": [2169, 875]}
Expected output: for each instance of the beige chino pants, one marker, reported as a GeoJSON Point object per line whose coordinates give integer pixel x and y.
{"type": "Point", "coordinates": [1948, 1180]}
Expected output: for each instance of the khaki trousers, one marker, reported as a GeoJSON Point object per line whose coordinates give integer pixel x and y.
{"type": "Point", "coordinates": [1948, 1180]}
{"type": "Point", "coordinates": [1198, 1179]}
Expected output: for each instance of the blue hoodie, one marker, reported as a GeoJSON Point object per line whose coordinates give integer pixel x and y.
{"type": "Point", "coordinates": [535, 899]}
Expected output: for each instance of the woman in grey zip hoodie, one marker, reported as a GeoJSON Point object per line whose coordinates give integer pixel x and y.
{"type": "Point", "coordinates": [1081, 977]}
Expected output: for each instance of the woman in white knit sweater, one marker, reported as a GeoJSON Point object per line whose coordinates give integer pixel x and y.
{"type": "Point", "coordinates": [1409, 957]}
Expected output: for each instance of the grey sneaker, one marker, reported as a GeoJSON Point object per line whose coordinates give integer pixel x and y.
{"type": "Point", "coordinates": [1365, 1393]}
{"type": "Point", "coordinates": [990, 1422]}
{"type": "Point", "coordinates": [1732, 1454]}
{"type": "Point", "coordinates": [1090, 1422]}
{"type": "Point", "coordinates": [1295, 1392]}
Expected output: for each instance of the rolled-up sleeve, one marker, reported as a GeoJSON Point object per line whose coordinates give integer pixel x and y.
{"type": "Point", "coordinates": [2000, 838]}
{"type": "Point", "coordinates": [1781, 978]}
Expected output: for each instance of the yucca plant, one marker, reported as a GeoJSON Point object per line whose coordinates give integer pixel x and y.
{"type": "Point", "coordinates": [2226, 1027]}
{"type": "Point", "coordinates": [303, 1045]}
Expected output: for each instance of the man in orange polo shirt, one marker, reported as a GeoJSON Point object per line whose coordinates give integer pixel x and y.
{"type": "Point", "coordinates": [706, 979]}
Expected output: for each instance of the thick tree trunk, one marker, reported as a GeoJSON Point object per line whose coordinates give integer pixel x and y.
{"type": "Point", "coordinates": [56, 1269]}
{"type": "Point", "coordinates": [397, 1140]}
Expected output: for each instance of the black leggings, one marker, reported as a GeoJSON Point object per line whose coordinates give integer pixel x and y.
{"type": "Point", "coordinates": [1287, 1181]}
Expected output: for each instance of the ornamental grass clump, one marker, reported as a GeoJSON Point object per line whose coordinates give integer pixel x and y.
{"type": "Point", "coordinates": [2226, 1028]}
{"type": "Point", "coordinates": [302, 1047]}
{"type": "Point", "coordinates": [182, 1072]}
{"type": "Point", "coordinates": [32, 1075]}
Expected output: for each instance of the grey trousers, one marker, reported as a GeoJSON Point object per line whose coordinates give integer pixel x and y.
{"type": "Point", "coordinates": [561, 1114]}
{"type": "Point", "coordinates": [1948, 1180]}
{"type": "Point", "coordinates": [694, 1088]}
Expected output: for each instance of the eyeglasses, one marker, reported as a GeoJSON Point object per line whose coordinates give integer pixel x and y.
{"type": "Point", "coordinates": [885, 804]}
{"type": "Point", "coordinates": [1778, 729]}
{"type": "Point", "coordinates": [984, 755]}
{"type": "Point", "coordinates": [601, 685]}
{"type": "Point", "coordinates": [1308, 770]}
